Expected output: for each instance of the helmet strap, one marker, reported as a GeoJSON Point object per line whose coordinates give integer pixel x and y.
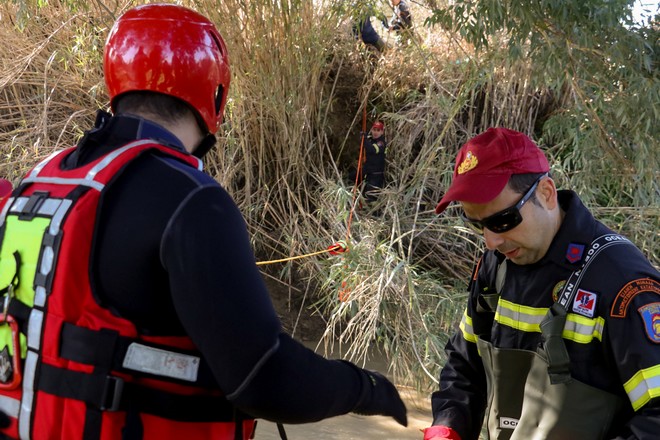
{"type": "Point", "coordinates": [204, 146]}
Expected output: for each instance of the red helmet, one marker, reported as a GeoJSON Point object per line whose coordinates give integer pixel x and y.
{"type": "Point", "coordinates": [172, 50]}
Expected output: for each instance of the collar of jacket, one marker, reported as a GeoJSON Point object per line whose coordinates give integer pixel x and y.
{"type": "Point", "coordinates": [578, 227]}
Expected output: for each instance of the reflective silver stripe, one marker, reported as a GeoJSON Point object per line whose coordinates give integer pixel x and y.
{"type": "Point", "coordinates": [61, 181]}
{"type": "Point", "coordinates": [583, 330]}
{"type": "Point", "coordinates": [29, 374]}
{"type": "Point", "coordinates": [36, 170]}
{"type": "Point", "coordinates": [10, 406]}
{"type": "Point", "coordinates": [19, 204]}
{"type": "Point", "coordinates": [89, 179]}
{"type": "Point", "coordinates": [91, 175]}
{"type": "Point", "coordinates": [40, 296]}
{"type": "Point", "coordinates": [34, 329]}
{"type": "Point", "coordinates": [520, 317]}
{"type": "Point", "coordinates": [47, 208]}
{"type": "Point", "coordinates": [58, 217]}
{"type": "Point", "coordinates": [528, 319]}
{"type": "Point", "coordinates": [643, 386]}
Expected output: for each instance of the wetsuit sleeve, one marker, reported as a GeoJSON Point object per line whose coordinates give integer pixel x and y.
{"type": "Point", "coordinates": [224, 306]}
{"type": "Point", "coordinates": [461, 399]}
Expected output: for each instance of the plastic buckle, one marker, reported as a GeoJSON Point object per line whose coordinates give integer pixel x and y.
{"type": "Point", "coordinates": [112, 392]}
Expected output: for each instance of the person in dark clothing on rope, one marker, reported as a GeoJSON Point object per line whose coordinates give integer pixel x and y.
{"type": "Point", "coordinates": [364, 30]}
{"type": "Point", "coordinates": [134, 307]}
{"type": "Point", "coordinates": [560, 339]}
{"type": "Point", "coordinates": [402, 19]}
{"type": "Point", "coordinates": [375, 150]}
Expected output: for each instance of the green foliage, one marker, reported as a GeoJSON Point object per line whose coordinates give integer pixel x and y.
{"type": "Point", "coordinates": [604, 70]}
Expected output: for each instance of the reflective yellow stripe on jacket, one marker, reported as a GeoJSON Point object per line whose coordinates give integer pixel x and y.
{"type": "Point", "coordinates": [528, 319]}
{"type": "Point", "coordinates": [643, 386]}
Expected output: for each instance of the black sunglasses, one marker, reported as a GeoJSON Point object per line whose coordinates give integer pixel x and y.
{"type": "Point", "coordinates": [504, 220]}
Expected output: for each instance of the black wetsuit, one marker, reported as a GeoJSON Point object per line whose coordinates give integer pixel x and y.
{"type": "Point", "coordinates": [374, 166]}
{"type": "Point", "coordinates": [172, 254]}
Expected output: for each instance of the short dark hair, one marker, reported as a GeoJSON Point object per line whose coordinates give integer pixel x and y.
{"type": "Point", "coordinates": [166, 107]}
{"type": "Point", "coordinates": [521, 183]}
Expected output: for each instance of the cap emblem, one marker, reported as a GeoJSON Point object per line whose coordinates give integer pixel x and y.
{"type": "Point", "coordinates": [469, 163]}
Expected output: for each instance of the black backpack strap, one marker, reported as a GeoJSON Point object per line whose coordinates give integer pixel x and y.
{"type": "Point", "coordinates": [87, 346]}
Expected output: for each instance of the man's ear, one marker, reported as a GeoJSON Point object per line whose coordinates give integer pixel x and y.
{"type": "Point", "coordinates": [546, 193]}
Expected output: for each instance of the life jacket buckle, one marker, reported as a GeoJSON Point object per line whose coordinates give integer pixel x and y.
{"type": "Point", "coordinates": [114, 387]}
{"type": "Point", "coordinates": [12, 369]}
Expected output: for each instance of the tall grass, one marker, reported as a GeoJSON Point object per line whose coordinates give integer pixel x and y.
{"type": "Point", "coordinates": [300, 85]}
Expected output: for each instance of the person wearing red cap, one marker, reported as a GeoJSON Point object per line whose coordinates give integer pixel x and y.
{"type": "Point", "coordinates": [133, 308]}
{"type": "Point", "coordinates": [560, 338]}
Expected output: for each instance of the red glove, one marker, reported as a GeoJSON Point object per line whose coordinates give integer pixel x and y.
{"type": "Point", "coordinates": [440, 433]}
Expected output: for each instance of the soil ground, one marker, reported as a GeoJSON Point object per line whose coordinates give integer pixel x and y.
{"type": "Point", "coordinates": [309, 328]}
{"type": "Point", "coordinates": [354, 427]}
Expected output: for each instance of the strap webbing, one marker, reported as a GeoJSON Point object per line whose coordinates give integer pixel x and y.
{"type": "Point", "coordinates": [552, 326]}
{"type": "Point", "coordinates": [113, 394]}
{"type": "Point", "coordinates": [87, 346]}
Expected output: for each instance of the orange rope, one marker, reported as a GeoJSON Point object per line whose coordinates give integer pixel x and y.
{"type": "Point", "coordinates": [341, 246]}
{"type": "Point", "coordinates": [333, 249]}
{"type": "Point", "coordinates": [358, 174]}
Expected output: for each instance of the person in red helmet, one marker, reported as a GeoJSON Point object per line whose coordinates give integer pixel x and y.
{"type": "Point", "coordinates": [559, 339]}
{"type": "Point", "coordinates": [375, 150]}
{"type": "Point", "coordinates": [133, 308]}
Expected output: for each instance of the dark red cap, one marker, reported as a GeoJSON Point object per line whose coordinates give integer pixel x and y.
{"type": "Point", "coordinates": [379, 125]}
{"type": "Point", "coordinates": [486, 162]}
{"type": "Point", "coordinates": [5, 188]}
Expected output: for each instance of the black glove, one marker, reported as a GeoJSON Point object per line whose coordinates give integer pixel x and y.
{"type": "Point", "coordinates": [4, 423]}
{"type": "Point", "coordinates": [379, 397]}
{"type": "Point", "coordinates": [4, 420]}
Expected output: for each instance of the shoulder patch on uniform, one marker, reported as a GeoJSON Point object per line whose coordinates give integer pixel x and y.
{"type": "Point", "coordinates": [555, 290]}
{"type": "Point", "coordinates": [574, 252]}
{"type": "Point", "coordinates": [630, 291]}
{"type": "Point", "coordinates": [651, 317]}
{"type": "Point", "coordinates": [585, 303]}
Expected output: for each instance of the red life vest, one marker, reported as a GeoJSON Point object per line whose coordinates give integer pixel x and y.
{"type": "Point", "coordinates": [69, 368]}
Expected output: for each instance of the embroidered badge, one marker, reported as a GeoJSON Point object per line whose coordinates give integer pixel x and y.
{"type": "Point", "coordinates": [574, 252]}
{"type": "Point", "coordinates": [585, 303]}
{"type": "Point", "coordinates": [630, 291]}
{"type": "Point", "coordinates": [555, 290]}
{"type": "Point", "coordinates": [651, 317]}
{"type": "Point", "coordinates": [469, 163]}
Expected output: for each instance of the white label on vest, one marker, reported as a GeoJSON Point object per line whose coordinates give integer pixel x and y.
{"type": "Point", "coordinates": [161, 362]}
{"type": "Point", "coordinates": [508, 423]}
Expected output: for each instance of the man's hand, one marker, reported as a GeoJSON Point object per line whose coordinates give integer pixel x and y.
{"type": "Point", "coordinates": [380, 397]}
{"type": "Point", "coordinates": [440, 433]}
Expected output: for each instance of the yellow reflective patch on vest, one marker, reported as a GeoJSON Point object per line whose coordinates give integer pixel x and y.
{"type": "Point", "coordinates": [24, 237]}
